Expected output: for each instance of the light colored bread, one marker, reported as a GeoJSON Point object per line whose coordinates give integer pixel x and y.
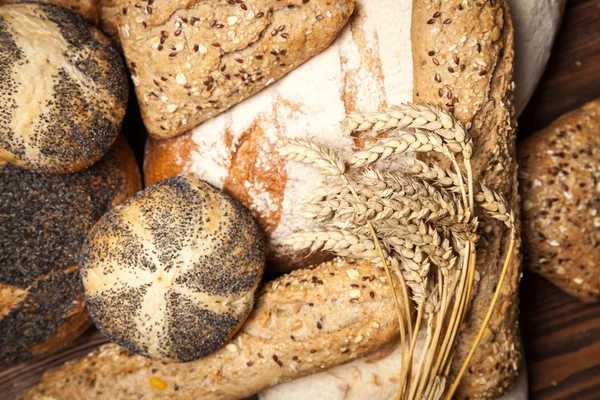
{"type": "Point", "coordinates": [303, 322]}
{"type": "Point", "coordinates": [191, 60]}
{"type": "Point", "coordinates": [463, 61]}
{"type": "Point", "coordinates": [86, 8]}
{"type": "Point", "coordinates": [560, 187]}
{"type": "Point", "coordinates": [44, 220]}
{"type": "Point", "coordinates": [171, 274]}
{"type": "Point", "coordinates": [373, 377]}
{"type": "Point", "coordinates": [75, 112]}
{"type": "Point", "coordinates": [366, 68]}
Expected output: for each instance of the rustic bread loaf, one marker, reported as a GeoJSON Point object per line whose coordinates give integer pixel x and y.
{"type": "Point", "coordinates": [75, 112]}
{"type": "Point", "coordinates": [171, 274]}
{"type": "Point", "coordinates": [303, 322]}
{"type": "Point", "coordinates": [463, 61]}
{"type": "Point", "coordinates": [560, 187]}
{"type": "Point", "coordinates": [367, 68]}
{"type": "Point", "coordinates": [191, 60]}
{"type": "Point", "coordinates": [44, 220]}
{"type": "Point", "coordinates": [86, 8]}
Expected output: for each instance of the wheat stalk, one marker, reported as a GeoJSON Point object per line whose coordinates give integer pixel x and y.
{"type": "Point", "coordinates": [423, 221]}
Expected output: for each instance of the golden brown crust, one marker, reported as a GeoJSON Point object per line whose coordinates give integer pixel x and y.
{"type": "Point", "coordinates": [45, 221]}
{"type": "Point", "coordinates": [192, 60]}
{"type": "Point", "coordinates": [560, 187]}
{"type": "Point", "coordinates": [463, 61]}
{"type": "Point", "coordinates": [303, 322]}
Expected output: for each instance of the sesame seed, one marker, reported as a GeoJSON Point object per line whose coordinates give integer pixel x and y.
{"type": "Point", "coordinates": [431, 21]}
{"type": "Point", "coordinates": [447, 21]}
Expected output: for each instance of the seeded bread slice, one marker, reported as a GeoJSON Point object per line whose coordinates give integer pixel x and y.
{"type": "Point", "coordinates": [191, 60]}
{"type": "Point", "coordinates": [560, 185]}
{"type": "Point", "coordinates": [303, 322]}
{"type": "Point", "coordinates": [463, 61]}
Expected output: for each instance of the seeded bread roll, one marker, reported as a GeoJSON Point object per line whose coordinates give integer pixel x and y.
{"type": "Point", "coordinates": [75, 112]}
{"type": "Point", "coordinates": [191, 60]}
{"type": "Point", "coordinates": [171, 274]}
{"type": "Point", "coordinates": [303, 322]}
{"type": "Point", "coordinates": [463, 61]}
{"type": "Point", "coordinates": [108, 12]}
{"type": "Point", "coordinates": [44, 220]}
{"type": "Point", "coordinates": [560, 187]}
{"type": "Point", "coordinates": [86, 8]}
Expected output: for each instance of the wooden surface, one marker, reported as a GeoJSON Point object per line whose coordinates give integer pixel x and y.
{"type": "Point", "coordinates": [562, 336]}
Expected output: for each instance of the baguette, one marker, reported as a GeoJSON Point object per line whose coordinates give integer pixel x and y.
{"type": "Point", "coordinates": [303, 322]}
{"type": "Point", "coordinates": [560, 185]}
{"type": "Point", "coordinates": [463, 61]}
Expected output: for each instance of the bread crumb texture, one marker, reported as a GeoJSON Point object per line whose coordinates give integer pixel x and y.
{"type": "Point", "coordinates": [560, 186]}
{"type": "Point", "coordinates": [63, 89]}
{"type": "Point", "coordinates": [171, 274]}
{"type": "Point", "coordinates": [191, 60]}
{"type": "Point", "coordinates": [44, 220]}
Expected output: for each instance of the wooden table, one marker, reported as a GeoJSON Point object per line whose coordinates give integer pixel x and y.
{"type": "Point", "coordinates": [562, 335]}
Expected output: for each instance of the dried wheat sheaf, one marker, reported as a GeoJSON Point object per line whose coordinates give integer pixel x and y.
{"type": "Point", "coordinates": [421, 223]}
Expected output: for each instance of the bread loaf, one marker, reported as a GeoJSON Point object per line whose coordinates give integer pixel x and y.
{"type": "Point", "coordinates": [302, 323]}
{"type": "Point", "coordinates": [560, 187]}
{"type": "Point", "coordinates": [171, 274]}
{"type": "Point", "coordinates": [44, 220]}
{"type": "Point", "coordinates": [86, 8]}
{"type": "Point", "coordinates": [463, 61]}
{"type": "Point", "coordinates": [192, 60]}
{"type": "Point", "coordinates": [75, 112]}
{"type": "Point", "coordinates": [368, 67]}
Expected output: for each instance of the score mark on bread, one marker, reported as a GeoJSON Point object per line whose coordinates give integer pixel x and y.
{"type": "Point", "coordinates": [171, 274]}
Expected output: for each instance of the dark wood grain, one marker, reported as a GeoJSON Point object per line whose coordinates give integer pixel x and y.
{"type": "Point", "coordinates": [562, 335]}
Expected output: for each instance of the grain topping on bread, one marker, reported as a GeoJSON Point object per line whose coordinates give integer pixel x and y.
{"type": "Point", "coordinates": [191, 60]}
{"type": "Point", "coordinates": [560, 186]}
{"type": "Point", "coordinates": [302, 323]}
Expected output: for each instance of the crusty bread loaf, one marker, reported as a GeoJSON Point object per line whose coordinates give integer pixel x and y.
{"type": "Point", "coordinates": [366, 68]}
{"type": "Point", "coordinates": [86, 8]}
{"type": "Point", "coordinates": [560, 187]}
{"type": "Point", "coordinates": [191, 60]}
{"type": "Point", "coordinates": [463, 61]}
{"type": "Point", "coordinates": [75, 112]}
{"type": "Point", "coordinates": [44, 220]}
{"type": "Point", "coordinates": [303, 322]}
{"type": "Point", "coordinates": [182, 252]}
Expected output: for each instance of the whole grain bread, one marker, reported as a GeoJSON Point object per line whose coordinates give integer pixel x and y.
{"type": "Point", "coordinates": [191, 60]}
{"type": "Point", "coordinates": [303, 322]}
{"type": "Point", "coordinates": [463, 61]}
{"type": "Point", "coordinates": [560, 186]}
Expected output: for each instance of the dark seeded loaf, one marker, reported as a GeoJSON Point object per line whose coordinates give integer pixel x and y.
{"type": "Point", "coordinates": [463, 61]}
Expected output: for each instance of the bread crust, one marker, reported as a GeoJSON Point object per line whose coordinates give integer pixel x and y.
{"type": "Point", "coordinates": [463, 61]}
{"type": "Point", "coordinates": [303, 322]}
{"type": "Point", "coordinates": [191, 60]}
{"type": "Point", "coordinates": [41, 297]}
{"type": "Point", "coordinates": [560, 187]}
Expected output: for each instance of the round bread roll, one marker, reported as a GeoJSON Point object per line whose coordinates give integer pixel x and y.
{"type": "Point", "coordinates": [63, 89]}
{"type": "Point", "coordinates": [367, 68]}
{"type": "Point", "coordinates": [560, 189]}
{"type": "Point", "coordinates": [171, 273]}
{"type": "Point", "coordinates": [44, 220]}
